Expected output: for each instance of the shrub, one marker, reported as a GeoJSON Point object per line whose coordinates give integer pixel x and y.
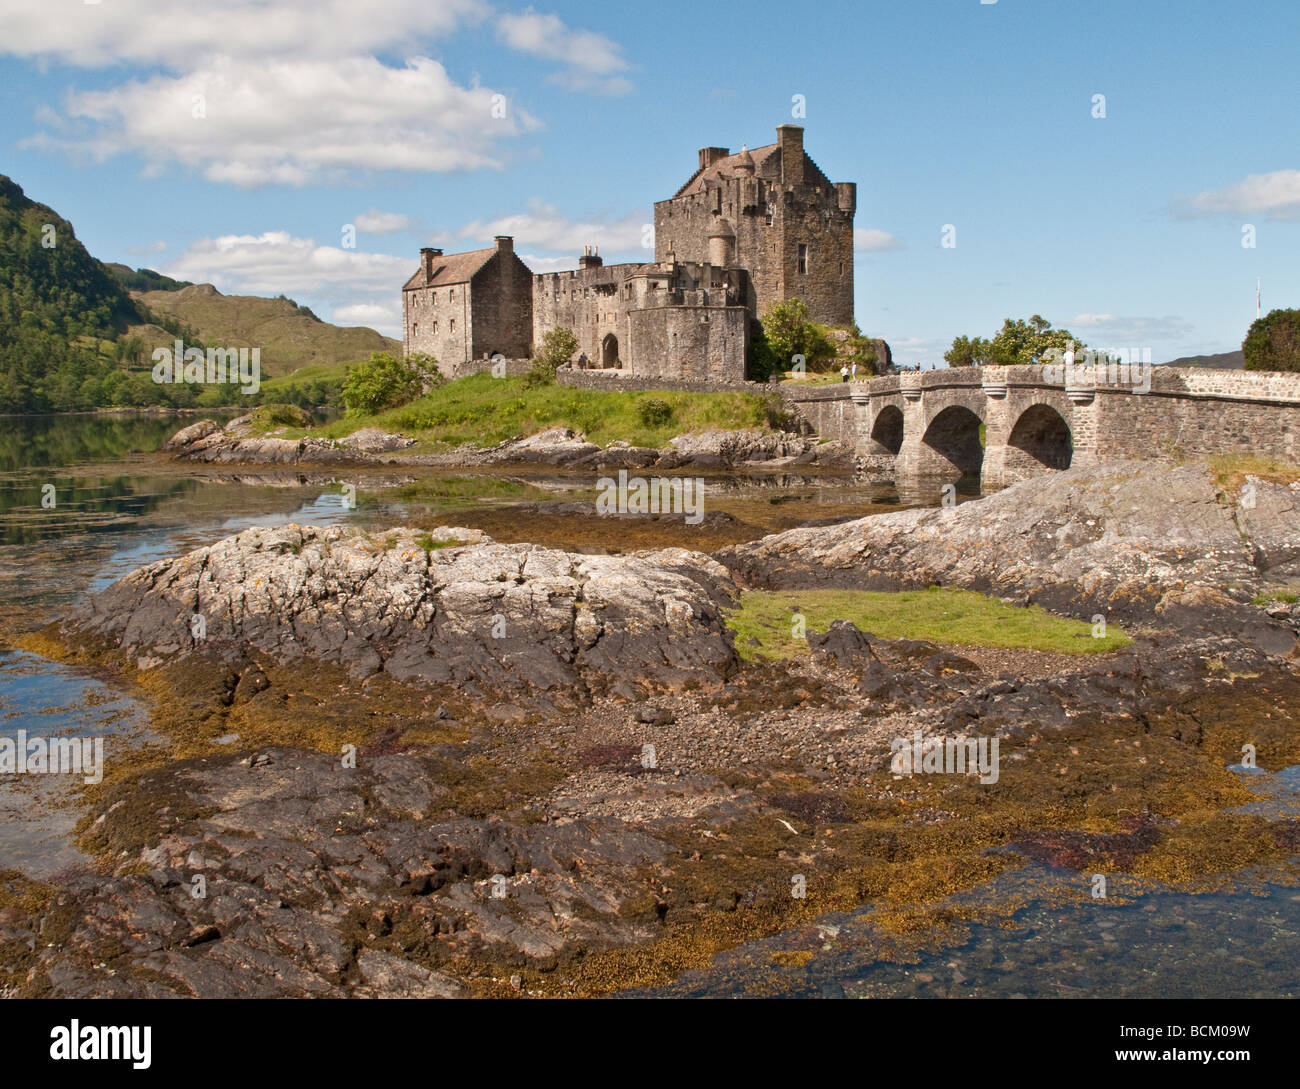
{"type": "Point", "coordinates": [654, 412]}
{"type": "Point", "coordinates": [280, 415]}
{"type": "Point", "coordinates": [383, 382]}
{"type": "Point", "coordinates": [556, 349]}
{"type": "Point", "coordinates": [1273, 342]}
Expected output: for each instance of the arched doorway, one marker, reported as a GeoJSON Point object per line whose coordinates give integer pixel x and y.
{"type": "Point", "coordinates": [952, 443]}
{"type": "Point", "coordinates": [609, 350]}
{"type": "Point", "coordinates": [1040, 440]}
{"type": "Point", "coordinates": [887, 431]}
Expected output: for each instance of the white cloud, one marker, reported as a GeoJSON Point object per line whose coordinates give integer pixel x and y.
{"type": "Point", "coordinates": [276, 263]}
{"type": "Point", "coordinates": [374, 315]}
{"type": "Point", "coordinates": [1275, 195]}
{"type": "Point", "coordinates": [293, 92]}
{"type": "Point", "coordinates": [177, 33]}
{"type": "Point", "coordinates": [293, 122]}
{"type": "Point", "coordinates": [376, 222]}
{"type": "Point", "coordinates": [544, 227]}
{"type": "Point", "coordinates": [870, 240]}
{"type": "Point", "coordinates": [1114, 331]}
{"type": "Point", "coordinates": [592, 62]}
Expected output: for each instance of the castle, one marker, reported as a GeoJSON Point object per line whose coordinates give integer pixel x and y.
{"type": "Point", "coordinates": [744, 231]}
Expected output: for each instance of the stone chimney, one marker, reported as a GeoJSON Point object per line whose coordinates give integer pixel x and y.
{"type": "Point", "coordinates": [790, 137]}
{"type": "Point", "coordinates": [590, 258]}
{"type": "Point", "coordinates": [505, 243]}
{"type": "Point", "coordinates": [710, 155]}
{"type": "Point", "coordinates": [427, 256]}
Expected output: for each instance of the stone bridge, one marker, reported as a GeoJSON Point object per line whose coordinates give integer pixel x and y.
{"type": "Point", "coordinates": [1008, 423]}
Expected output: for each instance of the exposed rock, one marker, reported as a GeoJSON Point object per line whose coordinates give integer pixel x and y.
{"type": "Point", "coordinates": [510, 616]}
{"type": "Point", "coordinates": [1133, 540]}
{"type": "Point", "coordinates": [318, 880]}
{"type": "Point", "coordinates": [374, 440]}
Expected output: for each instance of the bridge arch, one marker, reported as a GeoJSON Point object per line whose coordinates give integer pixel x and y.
{"type": "Point", "coordinates": [887, 430]}
{"type": "Point", "coordinates": [1040, 439]}
{"type": "Point", "coordinates": [952, 442]}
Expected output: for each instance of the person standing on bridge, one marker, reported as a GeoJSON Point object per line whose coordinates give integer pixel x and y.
{"type": "Point", "coordinates": [844, 373]}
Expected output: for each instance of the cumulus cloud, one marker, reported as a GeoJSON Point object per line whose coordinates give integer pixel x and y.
{"type": "Point", "coordinates": [293, 122]}
{"type": "Point", "coordinates": [1275, 196]}
{"type": "Point", "coordinates": [276, 263]}
{"type": "Point", "coordinates": [296, 92]}
{"type": "Point", "coordinates": [591, 61]}
{"type": "Point", "coordinates": [376, 222]}
{"type": "Point", "coordinates": [176, 33]}
{"type": "Point", "coordinates": [375, 315]}
{"type": "Point", "coordinates": [544, 227]}
{"type": "Point", "coordinates": [870, 240]}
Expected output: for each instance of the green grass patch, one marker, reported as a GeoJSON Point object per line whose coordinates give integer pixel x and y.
{"type": "Point", "coordinates": [430, 543]}
{"type": "Point", "coordinates": [1279, 597]}
{"type": "Point", "coordinates": [481, 410]}
{"type": "Point", "coordinates": [939, 615]}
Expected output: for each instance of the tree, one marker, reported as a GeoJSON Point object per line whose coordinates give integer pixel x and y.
{"type": "Point", "coordinates": [1016, 343]}
{"type": "Point", "coordinates": [1273, 342]}
{"type": "Point", "coordinates": [383, 382]}
{"type": "Point", "coordinates": [556, 349]}
{"type": "Point", "coordinates": [790, 332]}
{"type": "Point", "coordinates": [968, 352]}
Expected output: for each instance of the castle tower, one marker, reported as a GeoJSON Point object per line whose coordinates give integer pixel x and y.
{"type": "Point", "coordinates": [772, 211]}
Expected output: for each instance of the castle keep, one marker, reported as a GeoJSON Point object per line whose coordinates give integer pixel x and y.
{"type": "Point", "coordinates": [745, 231]}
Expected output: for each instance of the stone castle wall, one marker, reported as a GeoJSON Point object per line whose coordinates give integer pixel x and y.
{"type": "Point", "coordinates": [786, 203]}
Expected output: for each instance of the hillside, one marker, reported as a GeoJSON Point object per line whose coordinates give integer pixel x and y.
{"type": "Point", "coordinates": [1224, 361]}
{"type": "Point", "coordinates": [77, 334]}
{"type": "Point", "coordinates": [290, 336]}
{"type": "Point", "coordinates": [56, 304]}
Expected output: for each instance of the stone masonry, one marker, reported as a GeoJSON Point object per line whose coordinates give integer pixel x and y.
{"type": "Point", "coordinates": [745, 231]}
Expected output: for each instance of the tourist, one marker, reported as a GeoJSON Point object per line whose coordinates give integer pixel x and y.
{"type": "Point", "coordinates": [853, 371]}
{"type": "Point", "coordinates": [844, 374]}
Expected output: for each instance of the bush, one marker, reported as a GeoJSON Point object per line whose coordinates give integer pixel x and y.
{"type": "Point", "coordinates": [654, 412]}
{"type": "Point", "coordinates": [383, 382]}
{"type": "Point", "coordinates": [790, 332]}
{"type": "Point", "coordinates": [556, 349]}
{"type": "Point", "coordinates": [280, 415]}
{"type": "Point", "coordinates": [1273, 342]}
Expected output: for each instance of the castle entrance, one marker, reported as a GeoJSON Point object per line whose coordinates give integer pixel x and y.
{"type": "Point", "coordinates": [609, 350]}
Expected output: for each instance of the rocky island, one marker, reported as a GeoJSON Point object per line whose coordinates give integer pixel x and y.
{"type": "Point", "coordinates": [419, 762]}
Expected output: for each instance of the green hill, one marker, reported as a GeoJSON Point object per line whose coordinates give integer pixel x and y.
{"type": "Point", "coordinates": [56, 304]}
{"type": "Point", "coordinates": [76, 333]}
{"type": "Point", "coordinates": [289, 336]}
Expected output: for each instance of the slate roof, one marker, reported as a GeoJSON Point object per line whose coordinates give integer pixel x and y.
{"type": "Point", "coordinates": [452, 268]}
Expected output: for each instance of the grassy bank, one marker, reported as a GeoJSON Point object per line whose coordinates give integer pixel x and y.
{"type": "Point", "coordinates": [482, 410]}
{"type": "Point", "coordinates": [939, 615]}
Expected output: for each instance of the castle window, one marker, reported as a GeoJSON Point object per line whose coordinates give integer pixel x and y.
{"type": "Point", "coordinates": [841, 270]}
{"type": "Point", "coordinates": [435, 328]}
{"type": "Point", "coordinates": [803, 258]}
{"type": "Point", "coordinates": [451, 294]}
{"type": "Point", "coordinates": [453, 325]}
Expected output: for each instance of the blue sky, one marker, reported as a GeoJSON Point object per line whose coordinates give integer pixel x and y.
{"type": "Point", "coordinates": [233, 143]}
